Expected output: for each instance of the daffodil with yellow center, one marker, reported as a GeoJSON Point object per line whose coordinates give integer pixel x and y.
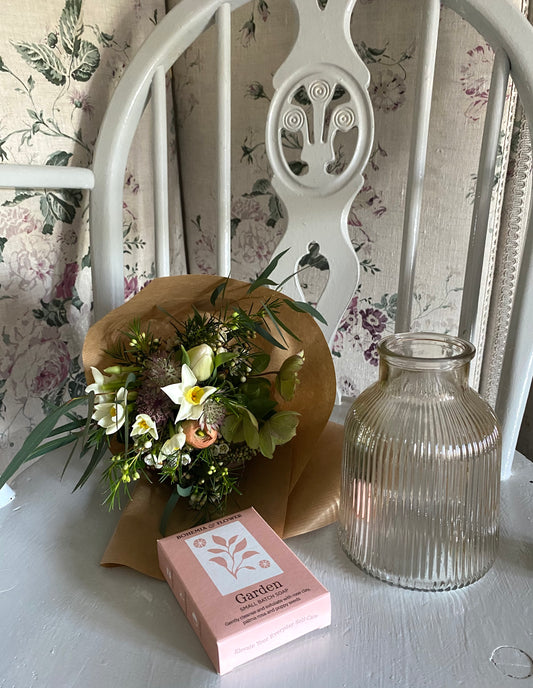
{"type": "Point", "coordinates": [144, 425]}
{"type": "Point", "coordinates": [188, 395]}
{"type": "Point", "coordinates": [111, 415]}
{"type": "Point", "coordinates": [194, 395]}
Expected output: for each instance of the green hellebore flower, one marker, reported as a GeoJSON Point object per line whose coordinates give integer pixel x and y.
{"type": "Point", "coordinates": [287, 377]}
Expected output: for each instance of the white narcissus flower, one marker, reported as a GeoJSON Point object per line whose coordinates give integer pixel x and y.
{"type": "Point", "coordinates": [99, 381]}
{"type": "Point", "coordinates": [171, 446]}
{"type": "Point", "coordinates": [144, 425]}
{"type": "Point", "coordinates": [188, 395]}
{"type": "Point", "coordinates": [111, 414]}
{"type": "Point", "coordinates": [202, 361]}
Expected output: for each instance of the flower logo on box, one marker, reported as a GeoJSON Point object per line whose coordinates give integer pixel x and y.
{"type": "Point", "coordinates": [233, 558]}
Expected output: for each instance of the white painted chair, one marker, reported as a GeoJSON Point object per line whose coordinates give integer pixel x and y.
{"type": "Point", "coordinates": [323, 57]}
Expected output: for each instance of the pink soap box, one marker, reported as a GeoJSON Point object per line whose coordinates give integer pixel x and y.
{"type": "Point", "coordinates": [242, 589]}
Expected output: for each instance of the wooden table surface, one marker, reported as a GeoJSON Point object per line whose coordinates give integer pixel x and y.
{"type": "Point", "coordinates": [65, 621]}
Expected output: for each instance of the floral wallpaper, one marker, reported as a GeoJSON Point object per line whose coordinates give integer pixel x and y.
{"type": "Point", "coordinates": [57, 73]}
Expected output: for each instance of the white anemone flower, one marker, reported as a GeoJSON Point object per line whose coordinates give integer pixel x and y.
{"type": "Point", "coordinates": [188, 395]}
{"type": "Point", "coordinates": [144, 425]}
{"type": "Point", "coordinates": [97, 386]}
{"type": "Point", "coordinates": [111, 414]}
{"type": "Point", "coordinates": [172, 446]}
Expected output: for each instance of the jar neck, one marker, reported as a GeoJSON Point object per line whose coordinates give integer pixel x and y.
{"type": "Point", "coordinates": [425, 356]}
{"type": "Point", "coordinates": [458, 375]}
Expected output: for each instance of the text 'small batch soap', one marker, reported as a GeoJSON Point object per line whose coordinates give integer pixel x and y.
{"type": "Point", "coordinates": [243, 590]}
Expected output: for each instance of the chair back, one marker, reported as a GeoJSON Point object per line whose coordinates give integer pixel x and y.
{"type": "Point", "coordinates": [320, 94]}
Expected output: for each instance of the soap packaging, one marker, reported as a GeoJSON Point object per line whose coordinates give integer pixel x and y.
{"type": "Point", "coordinates": [242, 589]}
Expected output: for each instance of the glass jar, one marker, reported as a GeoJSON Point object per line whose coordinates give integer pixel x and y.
{"type": "Point", "coordinates": [420, 487]}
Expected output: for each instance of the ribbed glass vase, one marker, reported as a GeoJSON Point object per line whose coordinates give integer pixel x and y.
{"type": "Point", "coordinates": [420, 492]}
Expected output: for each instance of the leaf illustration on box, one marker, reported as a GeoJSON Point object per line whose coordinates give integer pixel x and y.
{"type": "Point", "coordinates": [231, 562]}
{"type": "Point", "coordinates": [220, 561]}
{"type": "Point", "coordinates": [240, 546]}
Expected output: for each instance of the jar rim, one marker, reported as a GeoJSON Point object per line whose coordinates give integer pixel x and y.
{"type": "Point", "coordinates": [400, 347]}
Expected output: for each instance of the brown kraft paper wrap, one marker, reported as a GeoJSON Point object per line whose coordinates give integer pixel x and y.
{"type": "Point", "coordinates": [295, 492]}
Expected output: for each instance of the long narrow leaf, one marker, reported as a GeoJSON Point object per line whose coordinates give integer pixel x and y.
{"type": "Point", "coordinates": [266, 335]}
{"type": "Point", "coordinates": [98, 454]}
{"type": "Point", "coordinates": [37, 435]}
{"type": "Point", "coordinates": [277, 320]}
{"type": "Point", "coordinates": [85, 433]}
{"type": "Point", "coordinates": [289, 277]}
{"type": "Point", "coordinates": [218, 291]}
{"type": "Point", "coordinates": [68, 427]}
{"type": "Point", "coordinates": [303, 307]}
{"type": "Point", "coordinates": [277, 323]}
{"type": "Point", "coordinates": [169, 508]}
{"type": "Point", "coordinates": [54, 444]}
{"type": "Point", "coordinates": [260, 280]}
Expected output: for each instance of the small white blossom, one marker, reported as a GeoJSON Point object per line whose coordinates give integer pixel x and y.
{"type": "Point", "coordinates": [172, 445]}
{"type": "Point", "coordinates": [144, 425]}
{"type": "Point", "coordinates": [111, 414]}
{"type": "Point", "coordinates": [97, 386]}
{"type": "Point", "coordinates": [154, 461]}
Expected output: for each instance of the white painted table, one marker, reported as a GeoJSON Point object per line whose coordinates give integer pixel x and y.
{"type": "Point", "coordinates": [65, 621]}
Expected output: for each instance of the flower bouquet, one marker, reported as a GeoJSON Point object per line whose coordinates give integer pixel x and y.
{"type": "Point", "coordinates": [208, 395]}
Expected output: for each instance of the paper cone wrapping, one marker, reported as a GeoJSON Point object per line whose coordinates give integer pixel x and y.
{"type": "Point", "coordinates": [295, 492]}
